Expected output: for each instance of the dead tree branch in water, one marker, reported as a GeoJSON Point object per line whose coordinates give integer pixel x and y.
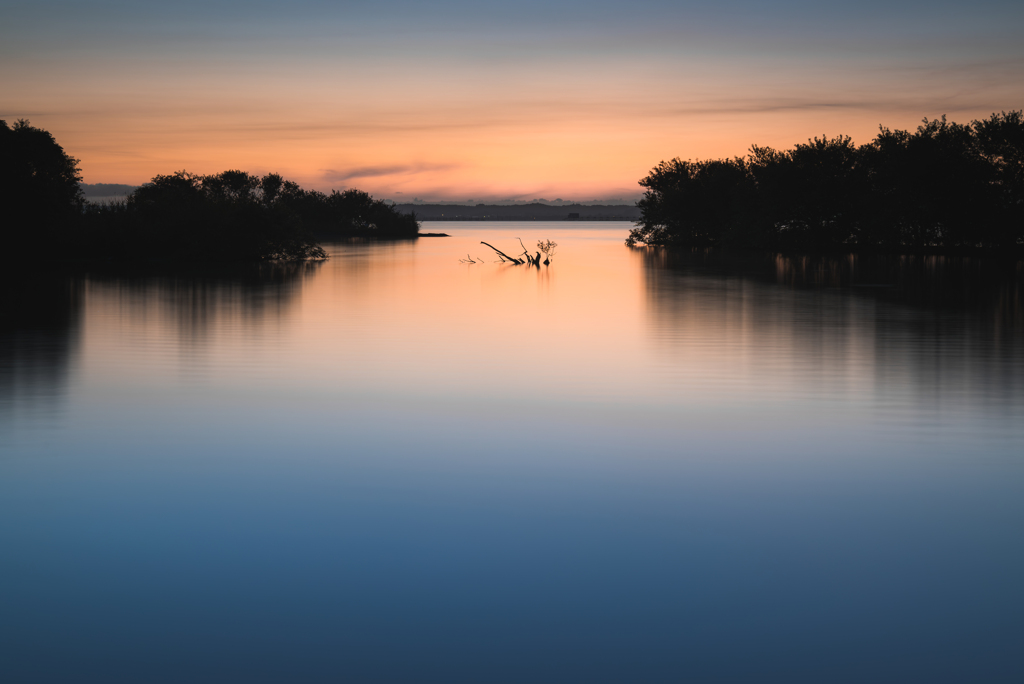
{"type": "Point", "coordinates": [502, 254]}
{"type": "Point", "coordinates": [525, 253]}
{"type": "Point", "coordinates": [525, 257]}
{"type": "Point", "coordinates": [532, 260]}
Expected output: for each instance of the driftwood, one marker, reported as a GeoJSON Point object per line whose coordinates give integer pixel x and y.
{"type": "Point", "coordinates": [502, 254]}
{"type": "Point", "coordinates": [532, 260]}
{"type": "Point", "coordinates": [524, 258]}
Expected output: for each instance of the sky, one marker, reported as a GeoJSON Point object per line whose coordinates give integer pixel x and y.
{"type": "Point", "coordinates": [479, 101]}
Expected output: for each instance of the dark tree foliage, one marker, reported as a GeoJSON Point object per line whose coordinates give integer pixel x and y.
{"type": "Point", "coordinates": [238, 217]}
{"type": "Point", "coordinates": [699, 203]}
{"type": "Point", "coordinates": [945, 186]}
{"type": "Point", "coordinates": [230, 216]}
{"type": "Point", "coordinates": [930, 188]}
{"type": "Point", "coordinates": [39, 192]}
{"type": "Point", "coordinates": [809, 195]}
{"type": "Point", "coordinates": [354, 213]}
{"type": "Point", "coordinates": [1000, 141]}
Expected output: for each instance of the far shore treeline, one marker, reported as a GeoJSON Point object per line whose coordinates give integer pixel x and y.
{"type": "Point", "coordinates": [946, 187]}
{"type": "Point", "coordinates": [230, 216]}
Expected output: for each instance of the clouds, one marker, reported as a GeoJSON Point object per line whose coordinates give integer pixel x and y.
{"type": "Point", "coordinates": [485, 99]}
{"type": "Point", "coordinates": [337, 176]}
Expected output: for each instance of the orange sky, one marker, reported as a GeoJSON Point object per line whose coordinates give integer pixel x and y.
{"type": "Point", "coordinates": [505, 113]}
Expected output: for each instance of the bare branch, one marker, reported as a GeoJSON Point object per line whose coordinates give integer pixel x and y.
{"type": "Point", "coordinates": [502, 254]}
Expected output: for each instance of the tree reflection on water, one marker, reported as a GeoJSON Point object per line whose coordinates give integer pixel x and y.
{"type": "Point", "coordinates": [988, 289]}
{"type": "Point", "coordinates": [943, 330]}
{"type": "Point", "coordinates": [39, 333]}
{"type": "Point", "coordinates": [41, 316]}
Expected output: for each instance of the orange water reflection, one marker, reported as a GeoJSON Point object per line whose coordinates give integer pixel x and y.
{"type": "Point", "coordinates": [632, 455]}
{"type": "Point", "coordinates": [686, 340]}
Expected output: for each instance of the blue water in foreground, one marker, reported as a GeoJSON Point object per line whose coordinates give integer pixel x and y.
{"type": "Point", "coordinates": [396, 467]}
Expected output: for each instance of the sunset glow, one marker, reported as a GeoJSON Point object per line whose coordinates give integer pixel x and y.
{"type": "Point", "coordinates": [465, 101]}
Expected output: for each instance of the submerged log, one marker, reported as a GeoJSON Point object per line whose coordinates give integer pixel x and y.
{"type": "Point", "coordinates": [502, 254]}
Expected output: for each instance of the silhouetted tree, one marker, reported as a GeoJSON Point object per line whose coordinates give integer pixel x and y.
{"type": "Point", "coordinates": [1000, 140]}
{"type": "Point", "coordinates": [929, 188]}
{"type": "Point", "coordinates": [39, 194]}
{"type": "Point", "coordinates": [227, 216]}
{"type": "Point", "coordinates": [944, 186]}
{"type": "Point", "coordinates": [809, 196]}
{"type": "Point", "coordinates": [354, 213]}
{"type": "Point", "coordinates": [230, 216]}
{"type": "Point", "coordinates": [702, 203]}
{"type": "Point", "coordinates": [237, 216]}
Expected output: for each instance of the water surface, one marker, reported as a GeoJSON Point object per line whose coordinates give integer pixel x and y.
{"type": "Point", "coordinates": [628, 466]}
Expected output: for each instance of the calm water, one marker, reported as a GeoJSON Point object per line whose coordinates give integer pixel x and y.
{"type": "Point", "coordinates": [394, 467]}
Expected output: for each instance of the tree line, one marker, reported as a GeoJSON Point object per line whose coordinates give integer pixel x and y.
{"type": "Point", "coordinates": [230, 216]}
{"type": "Point", "coordinates": [944, 187]}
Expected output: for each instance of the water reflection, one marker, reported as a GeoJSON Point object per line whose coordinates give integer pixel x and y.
{"type": "Point", "coordinates": [394, 467]}
{"type": "Point", "coordinates": [43, 321]}
{"type": "Point", "coordinates": [919, 338]}
{"type": "Point", "coordinates": [197, 302]}
{"type": "Point", "coordinates": [40, 321]}
{"type": "Point", "coordinates": [992, 288]}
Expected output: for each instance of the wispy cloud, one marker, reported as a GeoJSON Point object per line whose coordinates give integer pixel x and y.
{"type": "Point", "coordinates": [336, 176]}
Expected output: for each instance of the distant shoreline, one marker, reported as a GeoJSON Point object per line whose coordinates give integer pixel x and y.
{"type": "Point", "coordinates": [522, 218]}
{"type": "Point", "coordinates": [522, 212]}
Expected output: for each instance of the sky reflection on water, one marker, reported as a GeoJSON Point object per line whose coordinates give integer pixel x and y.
{"type": "Point", "coordinates": [394, 467]}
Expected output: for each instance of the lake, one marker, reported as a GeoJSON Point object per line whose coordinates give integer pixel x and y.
{"type": "Point", "coordinates": [627, 466]}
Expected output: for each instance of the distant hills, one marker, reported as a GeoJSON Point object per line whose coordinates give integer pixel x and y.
{"type": "Point", "coordinates": [522, 212]}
